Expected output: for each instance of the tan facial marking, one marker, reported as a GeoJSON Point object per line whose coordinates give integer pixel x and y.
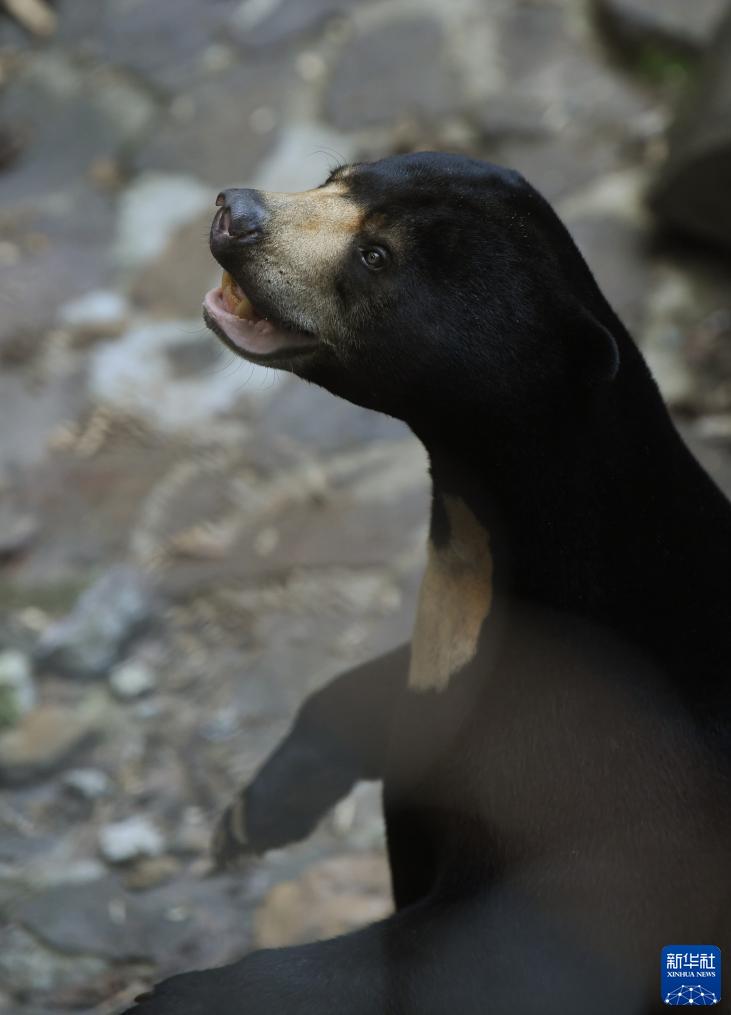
{"type": "Point", "coordinates": [327, 212]}
{"type": "Point", "coordinates": [309, 237]}
{"type": "Point", "coordinates": [454, 600]}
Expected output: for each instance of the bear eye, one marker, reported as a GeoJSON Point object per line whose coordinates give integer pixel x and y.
{"type": "Point", "coordinates": [374, 258]}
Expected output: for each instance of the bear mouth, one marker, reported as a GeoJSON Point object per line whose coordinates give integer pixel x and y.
{"type": "Point", "coordinates": [229, 312]}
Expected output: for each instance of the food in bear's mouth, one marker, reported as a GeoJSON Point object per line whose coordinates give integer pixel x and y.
{"type": "Point", "coordinates": [232, 314]}
{"type": "Point", "coordinates": [235, 300]}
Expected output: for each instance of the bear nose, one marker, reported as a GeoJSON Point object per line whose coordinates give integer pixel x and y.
{"type": "Point", "coordinates": [243, 212]}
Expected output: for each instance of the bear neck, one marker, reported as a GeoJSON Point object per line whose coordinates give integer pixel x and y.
{"type": "Point", "coordinates": [572, 506]}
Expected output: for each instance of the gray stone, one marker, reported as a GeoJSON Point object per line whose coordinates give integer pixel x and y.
{"type": "Point", "coordinates": [303, 157]}
{"type": "Point", "coordinates": [615, 251]}
{"type": "Point", "coordinates": [106, 616]}
{"type": "Point", "coordinates": [221, 726]}
{"type": "Point", "coordinates": [132, 678]}
{"type": "Point", "coordinates": [91, 919]}
{"type": "Point", "coordinates": [43, 740]}
{"type": "Point", "coordinates": [310, 415]}
{"type": "Point", "coordinates": [172, 285]}
{"type": "Point", "coordinates": [715, 459]}
{"type": "Point", "coordinates": [169, 372]}
{"type": "Point", "coordinates": [673, 308]}
{"type": "Point", "coordinates": [12, 35]}
{"type": "Point", "coordinates": [149, 38]}
{"type": "Point", "coordinates": [89, 783]}
{"type": "Point", "coordinates": [684, 26]}
{"type": "Point", "coordinates": [100, 454]}
{"type": "Point", "coordinates": [609, 221]}
{"type": "Point", "coordinates": [560, 163]}
{"type": "Point", "coordinates": [168, 200]}
{"type": "Point", "coordinates": [393, 72]}
{"type": "Point", "coordinates": [53, 871]}
{"type": "Point", "coordinates": [17, 531]}
{"type": "Point", "coordinates": [18, 848]}
{"type": "Point", "coordinates": [360, 509]}
{"type": "Point", "coordinates": [567, 118]}
{"type": "Point", "coordinates": [148, 872]}
{"type": "Point", "coordinates": [692, 193]}
{"type": "Point", "coordinates": [257, 24]}
{"type": "Point", "coordinates": [59, 222]}
{"type": "Point", "coordinates": [217, 133]}
{"type": "Point", "coordinates": [510, 115]}
{"type": "Point", "coordinates": [367, 533]}
{"type": "Point", "coordinates": [98, 312]}
{"type": "Point", "coordinates": [80, 24]}
{"type": "Point", "coordinates": [122, 841]}
{"type": "Point", "coordinates": [29, 967]}
{"type": "Point", "coordinates": [184, 924]}
{"type": "Point", "coordinates": [17, 689]}
{"type": "Point", "coordinates": [59, 260]}
{"type": "Point", "coordinates": [557, 78]}
{"type": "Point", "coordinates": [68, 121]}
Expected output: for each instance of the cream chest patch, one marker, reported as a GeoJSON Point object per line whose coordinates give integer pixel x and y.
{"type": "Point", "coordinates": [454, 600]}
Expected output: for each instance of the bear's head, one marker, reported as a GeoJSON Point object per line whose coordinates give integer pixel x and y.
{"type": "Point", "coordinates": [424, 285]}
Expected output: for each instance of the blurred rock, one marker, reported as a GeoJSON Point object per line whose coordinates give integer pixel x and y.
{"type": "Point", "coordinates": [561, 163]}
{"type": "Point", "coordinates": [259, 25]}
{"type": "Point", "coordinates": [122, 841]}
{"type": "Point", "coordinates": [17, 688]}
{"type": "Point", "coordinates": [357, 510]}
{"type": "Point", "coordinates": [132, 678]}
{"type": "Point", "coordinates": [170, 374]}
{"type": "Point", "coordinates": [553, 67]}
{"type": "Point", "coordinates": [89, 783]}
{"type": "Point", "coordinates": [17, 531]}
{"type": "Point", "coordinates": [52, 102]}
{"type": "Point", "coordinates": [99, 312]}
{"type": "Point", "coordinates": [303, 156]}
{"type": "Point", "coordinates": [43, 740]}
{"type": "Point", "coordinates": [71, 258]}
{"type": "Point", "coordinates": [52, 872]}
{"type": "Point", "coordinates": [149, 872]}
{"type": "Point", "coordinates": [151, 210]}
{"type": "Point", "coordinates": [715, 428]}
{"type": "Point", "coordinates": [692, 193]}
{"type": "Point", "coordinates": [91, 919]}
{"type": "Point", "coordinates": [331, 897]}
{"type": "Point", "coordinates": [174, 283]}
{"type": "Point", "coordinates": [310, 415]}
{"type": "Point", "coordinates": [509, 114]}
{"type": "Point", "coordinates": [29, 967]}
{"type": "Point", "coordinates": [221, 726]}
{"type": "Point", "coordinates": [185, 924]}
{"type": "Point", "coordinates": [105, 618]}
{"type": "Point", "coordinates": [616, 251]}
{"type": "Point", "coordinates": [392, 72]}
{"type": "Point", "coordinates": [10, 144]}
{"type": "Point", "coordinates": [161, 41]}
{"type": "Point", "coordinates": [567, 117]}
{"type": "Point", "coordinates": [36, 16]}
{"type": "Point", "coordinates": [214, 132]}
{"type": "Point", "coordinates": [635, 24]}
{"type": "Point", "coordinates": [672, 309]}
{"type": "Point", "coordinates": [709, 352]}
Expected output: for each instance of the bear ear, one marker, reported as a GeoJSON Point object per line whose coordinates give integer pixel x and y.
{"type": "Point", "coordinates": [593, 350]}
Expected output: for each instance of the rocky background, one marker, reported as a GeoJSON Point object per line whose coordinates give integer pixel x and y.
{"type": "Point", "coordinates": [189, 544]}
